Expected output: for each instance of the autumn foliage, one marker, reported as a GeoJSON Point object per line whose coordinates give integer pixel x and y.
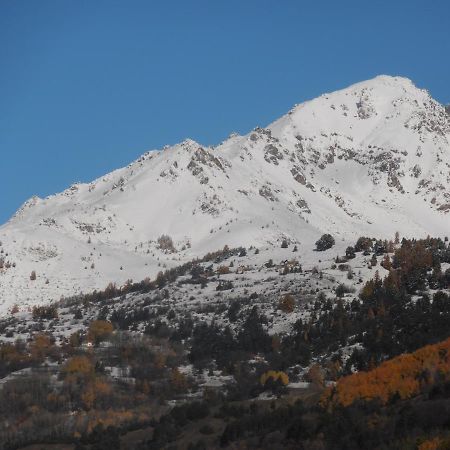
{"type": "Point", "coordinates": [79, 365]}
{"type": "Point", "coordinates": [223, 270]}
{"type": "Point", "coordinates": [99, 330]}
{"type": "Point", "coordinates": [404, 377]}
{"type": "Point", "coordinates": [287, 303]}
{"type": "Point", "coordinates": [274, 376]}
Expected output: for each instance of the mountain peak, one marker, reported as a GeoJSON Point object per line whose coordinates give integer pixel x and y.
{"type": "Point", "coordinates": [360, 109]}
{"type": "Point", "coordinates": [189, 143]}
{"type": "Point", "coordinates": [393, 80]}
{"type": "Point", "coordinates": [397, 84]}
{"type": "Point", "coordinates": [371, 159]}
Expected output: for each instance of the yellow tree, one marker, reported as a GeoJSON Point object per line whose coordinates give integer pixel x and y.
{"type": "Point", "coordinates": [99, 330]}
{"type": "Point", "coordinates": [315, 376]}
{"type": "Point", "coordinates": [40, 346]}
{"type": "Point", "coordinates": [274, 376]}
{"type": "Point", "coordinates": [79, 366]}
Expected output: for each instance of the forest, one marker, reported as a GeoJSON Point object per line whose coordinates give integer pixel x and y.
{"type": "Point", "coordinates": [377, 367]}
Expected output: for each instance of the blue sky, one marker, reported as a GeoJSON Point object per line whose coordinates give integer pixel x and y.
{"type": "Point", "coordinates": [86, 86]}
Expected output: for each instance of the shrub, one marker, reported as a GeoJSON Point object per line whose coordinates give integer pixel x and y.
{"type": "Point", "coordinates": [315, 375]}
{"type": "Point", "coordinates": [287, 303]}
{"type": "Point", "coordinates": [343, 289]}
{"type": "Point", "coordinates": [363, 244]}
{"type": "Point", "coordinates": [99, 330]}
{"type": "Point", "coordinates": [224, 285]}
{"type": "Point", "coordinates": [45, 312]}
{"type": "Point", "coordinates": [274, 376]}
{"type": "Point", "coordinates": [350, 252]}
{"type": "Point", "coordinates": [165, 243]}
{"type": "Point", "coordinates": [78, 367]}
{"type": "Point", "coordinates": [325, 242]}
{"type": "Point", "coordinates": [223, 270]}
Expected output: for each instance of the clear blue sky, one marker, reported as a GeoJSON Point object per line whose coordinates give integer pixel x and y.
{"type": "Point", "coordinates": [86, 86]}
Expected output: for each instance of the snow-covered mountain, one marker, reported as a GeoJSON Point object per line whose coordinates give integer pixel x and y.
{"type": "Point", "coordinates": [371, 160]}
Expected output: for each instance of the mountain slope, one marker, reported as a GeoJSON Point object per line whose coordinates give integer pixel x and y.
{"type": "Point", "coordinates": [371, 159]}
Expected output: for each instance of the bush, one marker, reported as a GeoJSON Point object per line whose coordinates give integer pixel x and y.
{"type": "Point", "coordinates": [325, 242]}
{"type": "Point", "coordinates": [287, 303]}
{"type": "Point", "coordinates": [343, 289]}
{"type": "Point", "coordinates": [274, 381]}
{"type": "Point", "coordinates": [45, 312]}
{"type": "Point", "coordinates": [165, 243]}
{"type": "Point", "coordinates": [363, 244]}
{"type": "Point", "coordinates": [223, 270]}
{"type": "Point", "coordinates": [99, 330]}
{"type": "Point", "coordinates": [350, 252]}
{"type": "Point", "coordinates": [224, 286]}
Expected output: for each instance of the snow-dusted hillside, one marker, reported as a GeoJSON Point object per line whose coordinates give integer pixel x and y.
{"type": "Point", "coordinates": [371, 159]}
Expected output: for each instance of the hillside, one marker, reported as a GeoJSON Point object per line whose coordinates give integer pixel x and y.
{"type": "Point", "coordinates": [219, 354]}
{"type": "Point", "coordinates": [216, 352]}
{"type": "Point", "coordinates": [371, 160]}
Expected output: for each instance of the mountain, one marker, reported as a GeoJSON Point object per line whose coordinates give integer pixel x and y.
{"type": "Point", "coordinates": [371, 160]}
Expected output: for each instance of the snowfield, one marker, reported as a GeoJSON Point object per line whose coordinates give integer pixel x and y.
{"type": "Point", "coordinates": [370, 160]}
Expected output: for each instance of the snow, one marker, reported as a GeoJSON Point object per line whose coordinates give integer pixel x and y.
{"type": "Point", "coordinates": [371, 160]}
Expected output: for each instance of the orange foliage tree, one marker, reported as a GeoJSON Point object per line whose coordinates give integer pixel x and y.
{"type": "Point", "coordinates": [99, 330]}
{"type": "Point", "coordinates": [404, 376]}
{"type": "Point", "coordinates": [78, 366]}
{"type": "Point", "coordinates": [274, 376]}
